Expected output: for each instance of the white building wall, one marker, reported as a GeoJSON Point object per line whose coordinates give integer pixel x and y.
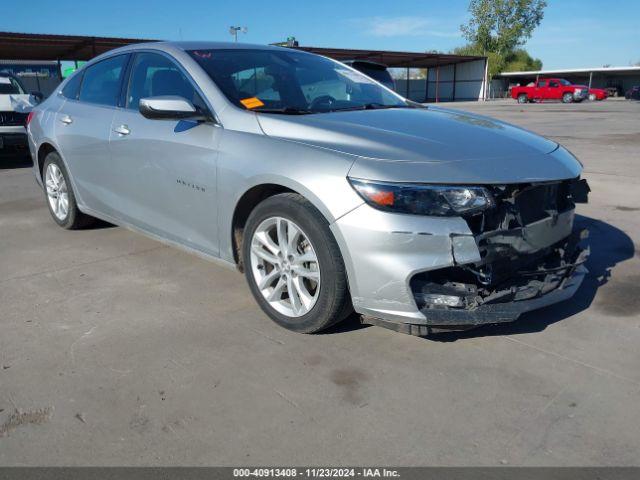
{"type": "Point", "coordinates": [448, 83]}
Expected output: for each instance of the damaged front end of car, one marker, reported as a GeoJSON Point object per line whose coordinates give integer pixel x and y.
{"type": "Point", "coordinates": [523, 254]}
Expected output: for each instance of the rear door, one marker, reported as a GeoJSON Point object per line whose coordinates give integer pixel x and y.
{"type": "Point", "coordinates": [83, 126]}
{"type": "Point", "coordinates": [166, 169]}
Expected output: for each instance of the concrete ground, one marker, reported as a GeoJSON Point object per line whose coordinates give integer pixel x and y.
{"type": "Point", "coordinates": [121, 351]}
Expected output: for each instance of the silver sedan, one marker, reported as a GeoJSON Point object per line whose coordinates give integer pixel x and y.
{"type": "Point", "coordinates": [329, 191]}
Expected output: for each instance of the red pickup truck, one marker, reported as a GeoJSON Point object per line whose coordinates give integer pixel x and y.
{"type": "Point", "coordinates": [550, 89]}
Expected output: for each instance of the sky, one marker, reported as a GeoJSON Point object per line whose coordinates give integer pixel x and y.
{"type": "Point", "coordinates": [573, 33]}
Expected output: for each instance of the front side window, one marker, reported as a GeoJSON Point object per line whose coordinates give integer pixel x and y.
{"type": "Point", "coordinates": [154, 75]}
{"type": "Point", "coordinates": [553, 84]}
{"type": "Point", "coordinates": [9, 86]}
{"type": "Point", "coordinates": [280, 81]}
{"type": "Point", "coordinates": [101, 81]}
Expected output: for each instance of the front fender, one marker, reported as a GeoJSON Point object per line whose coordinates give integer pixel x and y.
{"type": "Point", "coordinates": [248, 160]}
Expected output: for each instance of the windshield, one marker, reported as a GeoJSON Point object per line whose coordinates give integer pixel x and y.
{"type": "Point", "coordinates": [9, 86]}
{"type": "Point", "coordinates": [564, 82]}
{"type": "Point", "coordinates": [275, 81]}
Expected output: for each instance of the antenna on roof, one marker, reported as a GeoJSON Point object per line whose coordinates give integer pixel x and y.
{"type": "Point", "coordinates": [234, 31]}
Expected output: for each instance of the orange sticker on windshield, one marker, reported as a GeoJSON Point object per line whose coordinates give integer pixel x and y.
{"type": "Point", "coordinates": [252, 102]}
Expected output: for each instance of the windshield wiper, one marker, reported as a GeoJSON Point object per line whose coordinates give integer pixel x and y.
{"type": "Point", "coordinates": [284, 111]}
{"type": "Point", "coordinates": [370, 106]}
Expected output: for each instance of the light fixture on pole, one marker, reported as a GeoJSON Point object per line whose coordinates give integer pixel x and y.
{"type": "Point", "coordinates": [234, 31]}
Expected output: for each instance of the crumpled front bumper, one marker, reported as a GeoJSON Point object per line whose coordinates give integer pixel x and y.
{"type": "Point", "coordinates": [383, 252]}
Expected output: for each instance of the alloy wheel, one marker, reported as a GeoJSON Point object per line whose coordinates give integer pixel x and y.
{"type": "Point", "coordinates": [57, 192]}
{"type": "Point", "coordinates": [285, 266]}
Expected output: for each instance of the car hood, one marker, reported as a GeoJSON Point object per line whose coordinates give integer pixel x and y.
{"type": "Point", "coordinates": [433, 145]}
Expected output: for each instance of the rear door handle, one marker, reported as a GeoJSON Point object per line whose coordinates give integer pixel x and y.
{"type": "Point", "coordinates": [66, 119]}
{"type": "Point", "coordinates": [122, 130]}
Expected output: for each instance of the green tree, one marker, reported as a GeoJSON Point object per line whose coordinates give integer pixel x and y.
{"type": "Point", "coordinates": [500, 26]}
{"type": "Point", "coordinates": [497, 28]}
{"type": "Point", "coordinates": [519, 60]}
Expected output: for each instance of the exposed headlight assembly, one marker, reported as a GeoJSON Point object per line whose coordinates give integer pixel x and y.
{"type": "Point", "coordinates": [416, 199]}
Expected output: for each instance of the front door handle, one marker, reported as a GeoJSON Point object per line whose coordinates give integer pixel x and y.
{"type": "Point", "coordinates": [66, 119]}
{"type": "Point", "coordinates": [122, 130]}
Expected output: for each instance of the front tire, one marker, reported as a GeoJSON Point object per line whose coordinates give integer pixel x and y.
{"type": "Point", "coordinates": [567, 98]}
{"type": "Point", "coordinates": [293, 265]}
{"type": "Point", "coordinates": [61, 199]}
{"type": "Point", "coordinates": [592, 97]}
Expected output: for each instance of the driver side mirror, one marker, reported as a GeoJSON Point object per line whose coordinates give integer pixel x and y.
{"type": "Point", "coordinates": [38, 96]}
{"type": "Point", "coordinates": [169, 108]}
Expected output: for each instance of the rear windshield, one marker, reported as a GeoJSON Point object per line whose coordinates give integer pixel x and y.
{"type": "Point", "coordinates": [9, 86]}
{"type": "Point", "coordinates": [378, 74]}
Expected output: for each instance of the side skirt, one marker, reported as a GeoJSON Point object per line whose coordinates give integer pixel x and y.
{"type": "Point", "coordinates": [199, 253]}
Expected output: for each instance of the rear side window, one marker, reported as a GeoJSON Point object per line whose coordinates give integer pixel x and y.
{"type": "Point", "coordinates": [72, 87]}
{"type": "Point", "coordinates": [101, 81]}
{"type": "Point", "coordinates": [542, 83]}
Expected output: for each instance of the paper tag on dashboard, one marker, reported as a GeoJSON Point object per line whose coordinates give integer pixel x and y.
{"type": "Point", "coordinates": [252, 102]}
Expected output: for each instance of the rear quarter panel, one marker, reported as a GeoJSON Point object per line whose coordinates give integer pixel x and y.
{"type": "Point", "coordinates": [41, 130]}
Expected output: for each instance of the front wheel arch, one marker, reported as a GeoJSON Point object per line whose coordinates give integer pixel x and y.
{"type": "Point", "coordinates": [245, 205]}
{"type": "Point", "coordinates": [334, 302]}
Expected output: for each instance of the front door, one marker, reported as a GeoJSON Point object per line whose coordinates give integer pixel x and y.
{"type": "Point", "coordinates": [166, 168]}
{"type": "Point", "coordinates": [541, 90]}
{"type": "Point", "coordinates": [555, 92]}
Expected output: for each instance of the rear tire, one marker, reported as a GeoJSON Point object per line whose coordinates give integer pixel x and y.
{"type": "Point", "coordinates": [592, 97]}
{"type": "Point", "coordinates": [60, 197]}
{"type": "Point", "coordinates": [522, 98]}
{"type": "Point", "coordinates": [287, 244]}
{"type": "Point", "coordinates": [567, 98]}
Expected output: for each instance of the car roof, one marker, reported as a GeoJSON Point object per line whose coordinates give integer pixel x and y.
{"type": "Point", "coordinates": [186, 46]}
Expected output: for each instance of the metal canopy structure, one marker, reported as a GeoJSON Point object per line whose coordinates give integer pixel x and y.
{"type": "Point", "coordinates": [393, 59]}
{"type": "Point", "coordinates": [449, 77]}
{"type": "Point", "coordinates": [31, 46]}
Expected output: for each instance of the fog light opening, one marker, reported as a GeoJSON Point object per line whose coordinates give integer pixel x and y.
{"type": "Point", "coordinates": [442, 300]}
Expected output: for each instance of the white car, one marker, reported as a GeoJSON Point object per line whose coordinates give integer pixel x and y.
{"type": "Point", "coordinates": [15, 105]}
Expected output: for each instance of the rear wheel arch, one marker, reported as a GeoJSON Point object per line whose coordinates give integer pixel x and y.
{"type": "Point", "coordinates": [44, 150]}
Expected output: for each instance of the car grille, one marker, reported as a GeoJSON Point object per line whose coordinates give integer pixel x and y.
{"type": "Point", "coordinates": [519, 205]}
{"type": "Point", "coordinates": [13, 119]}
